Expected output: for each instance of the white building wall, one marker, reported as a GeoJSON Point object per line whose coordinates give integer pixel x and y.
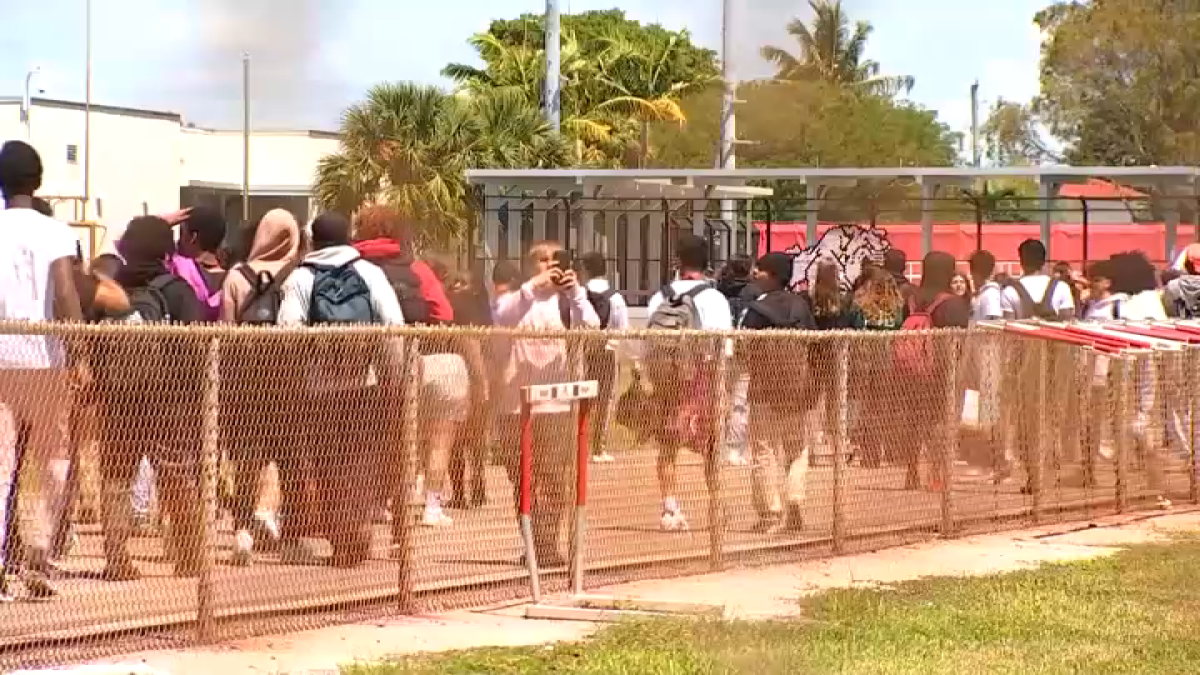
{"type": "Point", "coordinates": [140, 159]}
{"type": "Point", "coordinates": [277, 158]}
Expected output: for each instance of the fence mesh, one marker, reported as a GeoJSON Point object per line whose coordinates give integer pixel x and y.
{"type": "Point", "coordinates": [206, 475]}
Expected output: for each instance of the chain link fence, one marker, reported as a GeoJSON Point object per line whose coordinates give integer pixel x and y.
{"type": "Point", "coordinates": [214, 478]}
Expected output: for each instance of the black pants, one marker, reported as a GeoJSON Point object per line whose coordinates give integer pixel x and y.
{"type": "Point", "coordinates": [347, 456]}
{"type": "Point", "coordinates": [169, 435]}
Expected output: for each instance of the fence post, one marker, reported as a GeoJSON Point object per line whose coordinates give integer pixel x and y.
{"type": "Point", "coordinates": [1041, 437]}
{"type": "Point", "coordinates": [1121, 433]}
{"type": "Point", "coordinates": [1190, 372]}
{"type": "Point", "coordinates": [712, 459]}
{"type": "Point", "coordinates": [402, 520]}
{"type": "Point", "coordinates": [841, 434]}
{"type": "Point", "coordinates": [950, 446]}
{"type": "Point", "coordinates": [209, 467]}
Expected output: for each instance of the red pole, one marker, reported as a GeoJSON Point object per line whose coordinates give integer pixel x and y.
{"type": "Point", "coordinates": [526, 500]}
{"type": "Point", "coordinates": [582, 451]}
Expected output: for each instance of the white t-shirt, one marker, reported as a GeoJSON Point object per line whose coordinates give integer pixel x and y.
{"type": "Point", "coordinates": [29, 242]}
{"type": "Point", "coordinates": [1145, 306]}
{"type": "Point", "coordinates": [711, 305]}
{"type": "Point", "coordinates": [988, 303]}
{"type": "Point", "coordinates": [1035, 285]}
{"type": "Point", "coordinates": [1106, 309]}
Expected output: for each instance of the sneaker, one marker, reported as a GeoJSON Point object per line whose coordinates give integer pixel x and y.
{"type": "Point", "coordinates": [673, 522]}
{"type": "Point", "coordinates": [436, 517]}
{"type": "Point", "coordinates": [736, 458]}
{"type": "Point", "coordinates": [37, 585]}
{"type": "Point", "coordinates": [603, 458]}
{"type": "Point", "coordinates": [243, 549]}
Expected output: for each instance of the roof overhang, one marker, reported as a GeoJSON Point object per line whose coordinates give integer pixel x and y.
{"type": "Point", "coordinates": [732, 182]}
{"type": "Point", "coordinates": [255, 190]}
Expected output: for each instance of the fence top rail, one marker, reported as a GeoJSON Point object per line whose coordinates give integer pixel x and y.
{"type": "Point", "coordinates": [204, 331]}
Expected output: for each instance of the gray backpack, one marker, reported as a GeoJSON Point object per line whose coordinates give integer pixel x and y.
{"type": "Point", "coordinates": [670, 360]}
{"type": "Point", "coordinates": [677, 311]}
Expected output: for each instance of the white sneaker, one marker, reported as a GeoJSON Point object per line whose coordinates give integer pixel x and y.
{"type": "Point", "coordinates": [435, 517]}
{"type": "Point", "coordinates": [737, 459]}
{"type": "Point", "coordinates": [603, 458]}
{"type": "Point", "coordinates": [243, 548]}
{"type": "Point", "coordinates": [673, 522]}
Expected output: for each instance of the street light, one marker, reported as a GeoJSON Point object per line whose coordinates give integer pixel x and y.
{"type": "Point", "coordinates": [27, 100]}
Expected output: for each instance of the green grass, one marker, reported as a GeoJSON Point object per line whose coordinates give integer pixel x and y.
{"type": "Point", "coordinates": [1136, 612]}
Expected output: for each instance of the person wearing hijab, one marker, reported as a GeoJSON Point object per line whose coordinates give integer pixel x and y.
{"type": "Point", "coordinates": [259, 433]}
{"type": "Point", "coordinates": [275, 249]}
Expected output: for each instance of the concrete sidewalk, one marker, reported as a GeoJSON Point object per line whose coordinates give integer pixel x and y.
{"type": "Point", "coordinates": [746, 593]}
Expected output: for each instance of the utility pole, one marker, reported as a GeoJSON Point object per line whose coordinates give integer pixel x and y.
{"type": "Point", "coordinates": [975, 124]}
{"type": "Point", "coordinates": [87, 111]}
{"type": "Point", "coordinates": [552, 93]}
{"type": "Point", "coordinates": [245, 138]}
{"type": "Point", "coordinates": [728, 157]}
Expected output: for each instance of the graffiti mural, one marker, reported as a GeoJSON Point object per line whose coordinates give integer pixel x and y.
{"type": "Point", "coordinates": [847, 246]}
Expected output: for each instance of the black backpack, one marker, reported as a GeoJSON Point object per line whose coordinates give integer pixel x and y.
{"type": "Point", "coordinates": [142, 365]}
{"type": "Point", "coordinates": [601, 303]}
{"type": "Point", "coordinates": [266, 295]}
{"type": "Point", "coordinates": [339, 295]}
{"type": "Point", "coordinates": [407, 286]}
{"type": "Point", "coordinates": [148, 304]}
{"type": "Point", "coordinates": [1044, 309]}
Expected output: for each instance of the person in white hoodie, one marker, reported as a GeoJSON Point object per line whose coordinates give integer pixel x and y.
{"type": "Point", "coordinates": [333, 285]}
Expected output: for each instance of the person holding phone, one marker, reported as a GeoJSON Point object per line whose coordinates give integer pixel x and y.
{"type": "Point", "coordinates": [538, 303]}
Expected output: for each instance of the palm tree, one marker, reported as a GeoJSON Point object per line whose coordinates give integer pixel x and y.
{"type": "Point", "coordinates": [521, 70]}
{"type": "Point", "coordinates": [409, 146]}
{"type": "Point", "coordinates": [638, 82]}
{"type": "Point", "coordinates": [831, 51]}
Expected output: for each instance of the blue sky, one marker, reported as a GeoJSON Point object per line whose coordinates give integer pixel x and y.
{"type": "Point", "coordinates": [313, 57]}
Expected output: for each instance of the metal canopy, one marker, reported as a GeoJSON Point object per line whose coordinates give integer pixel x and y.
{"type": "Point", "coordinates": [700, 178]}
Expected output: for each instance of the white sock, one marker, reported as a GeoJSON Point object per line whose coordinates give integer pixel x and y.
{"type": "Point", "coordinates": [433, 501]}
{"type": "Point", "coordinates": [671, 505]}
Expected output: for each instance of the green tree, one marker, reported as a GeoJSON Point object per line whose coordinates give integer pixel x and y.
{"type": "Point", "coordinates": [813, 124]}
{"type": "Point", "coordinates": [409, 145]}
{"type": "Point", "coordinates": [1121, 80]}
{"type": "Point", "coordinates": [831, 50]}
{"type": "Point", "coordinates": [1012, 136]}
{"type": "Point", "coordinates": [618, 76]}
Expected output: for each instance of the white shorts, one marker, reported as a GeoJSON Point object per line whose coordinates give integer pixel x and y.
{"type": "Point", "coordinates": [445, 387]}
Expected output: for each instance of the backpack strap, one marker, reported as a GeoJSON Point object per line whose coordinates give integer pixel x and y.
{"type": "Point", "coordinates": [1027, 303]}
{"type": "Point", "coordinates": [937, 302]}
{"type": "Point", "coordinates": [1047, 304]}
{"type": "Point", "coordinates": [668, 293]}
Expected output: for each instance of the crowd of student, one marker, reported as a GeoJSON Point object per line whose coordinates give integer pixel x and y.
{"type": "Point", "coordinates": [148, 394]}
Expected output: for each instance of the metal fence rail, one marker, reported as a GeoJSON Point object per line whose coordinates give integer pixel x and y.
{"type": "Point", "coordinates": [333, 437]}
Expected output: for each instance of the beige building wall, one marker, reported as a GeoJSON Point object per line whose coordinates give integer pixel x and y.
{"type": "Point", "coordinates": [141, 159]}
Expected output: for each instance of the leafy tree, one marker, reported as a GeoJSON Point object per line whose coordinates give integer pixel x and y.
{"type": "Point", "coordinates": [1012, 137]}
{"type": "Point", "coordinates": [618, 76]}
{"type": "Point", "coordinates": [1121, 80]}
{"type": "Point", "coordinates": [813, 124]}
{"type": "Point", "coordinates": [409, 145]}
{"type": "Point", "coordinates": [831, 50]}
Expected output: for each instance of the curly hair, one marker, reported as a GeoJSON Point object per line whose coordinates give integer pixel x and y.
{"type": "Point", "coordinates": [879, 297]}
{"type": "Point", "coordinates": [380, 221]}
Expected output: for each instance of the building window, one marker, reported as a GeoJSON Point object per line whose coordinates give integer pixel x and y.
{"type": "Point", "coordinates": [72, 154]}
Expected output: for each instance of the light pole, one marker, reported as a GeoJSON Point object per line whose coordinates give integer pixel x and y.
{"type": "Point", "coordinates": [87, 111]}
{"type": "Point", "coordinates": [552, 94]}
{"type": "Point", "coordinates": [246, 138]}
{"type": "Point", "coordinates": [27, 101]}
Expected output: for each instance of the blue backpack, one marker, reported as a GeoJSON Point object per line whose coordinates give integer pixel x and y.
{"type": "Point", "coordinates": [339, 295]}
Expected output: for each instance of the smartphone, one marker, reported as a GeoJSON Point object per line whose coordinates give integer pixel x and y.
{"type": "Point", "coordinates": [562, 259]}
